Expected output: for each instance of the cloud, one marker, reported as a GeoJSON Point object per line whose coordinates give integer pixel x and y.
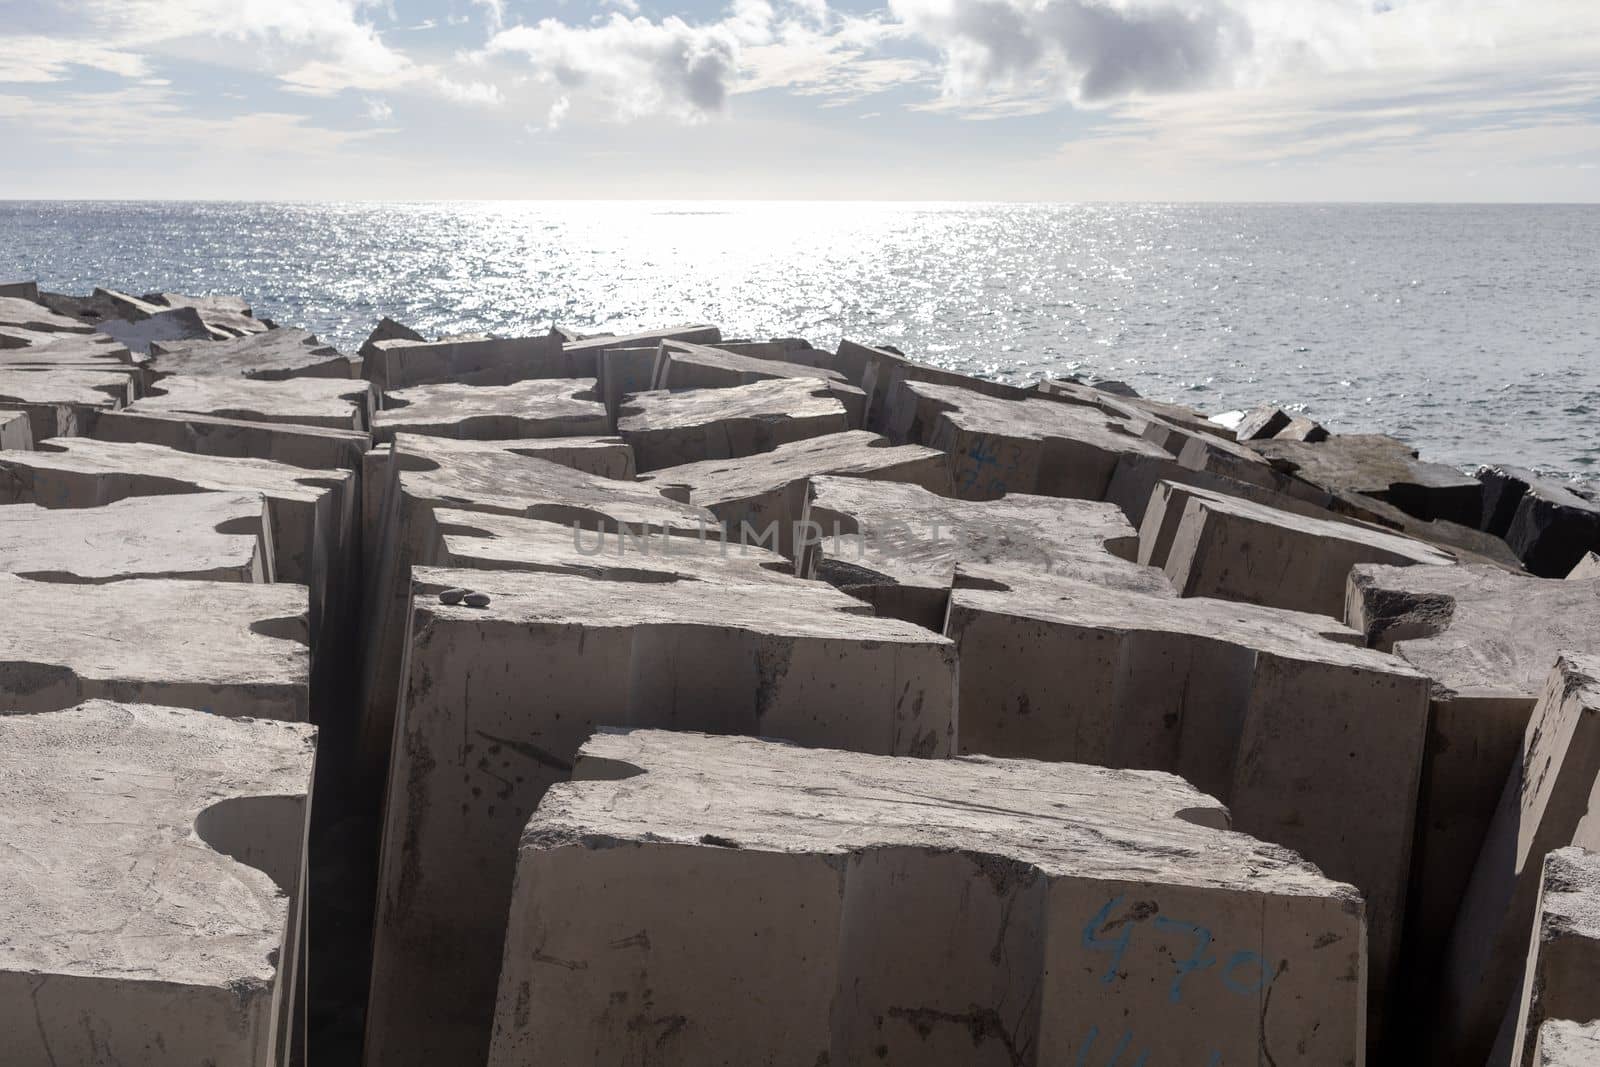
{"type": "Point", "coordinates": [46, 59]}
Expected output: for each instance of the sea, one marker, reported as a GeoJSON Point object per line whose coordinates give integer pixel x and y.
{"type": "Point", "coordinates": [1473, 332]}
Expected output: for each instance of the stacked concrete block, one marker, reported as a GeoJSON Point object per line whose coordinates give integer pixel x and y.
{"type": "Point", "coordinates": [25, 314]}
{"type": "Point", "coordinates": [620, 371]}
{"type": "Point", "coordinates": [588, 352]}
{"type": "Point", "coordinates": [1312, 743]}
{"type": "Point", "coordinates": [691, 899]}
{"type": "Point", "coordinates": [153, 897]}
{"type": "Point", "coordinates": [538, 407]}
{"type": "Point", "coordinates": [16, 431]}
{"type": "Point", "coordinates": [63, 401]}
{"type": "Point", "coordinates": [681, 366]}
{"type": "Point", "coordinates": [1133, 408]}
{"type": "Point", "coordinates": [1262, 422]}
{"type": "Point", "coordinates": [1549, 524]}
{"type": "Point", "coordinates": [1232, 549]}
{"type": "Point", "coordinates": [232, 649]}
{"type": "Point", "coordinates": [899, 414]}
{"type": "Point", "coordinates": [499, 698]}
{"type": "Point", "coordinates": [222, 537]}
{"type": "Point", "coordinates": [387, 330]}
{"type": "Point", "coordinates": [762, 498]}
{"type": "Point", "coordinates": [897, 546]}
{"type": "Point", "coordinates": [669, 429]}
{"type": "Point", "coordinates": [1561, 977]}
{"type": "Point", "coordinates": [271, 355]}
{"type": "Point", "coordinates": [336, 404]}
{"type": "Point", "coordinates": [1487, 639]}
{"type": "Point", "coordinates": [1553, 786]}
{"type": "Point", "coordinates": [401, 363]}
{"type": "Point", "coordinates": [22, 290]}
{"type": "Point", "coordinates": [999, 446]}
{"type": "Point", "coordinates": [1384, 468]}
{"type": "Point", "coordinates": [312, 447]}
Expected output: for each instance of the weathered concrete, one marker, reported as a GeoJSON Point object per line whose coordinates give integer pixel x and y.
{"type": "Point", "coordinates": [1548, 795]}
{"type": "Point", "coordinates": [1588, 568]}
{"type": "Point", "coordinates": [484, 541]}
{"type": "Point", "coordinates": [1232, 549]}
{"type": "Point", "coordinates": [767, 492]}
{"type": "Point", "coordinates": [177, 324]}
{"type": "Point", "coordinates": [63, 401]}
{"type": "Point", "coordinates": [468, 773]}
{"type": "Point", "coordinates": [965, 912]}
{"type": "Point", "coordinates": [1134, 409]}
{"type": "Point", "coordinates": [90, 351]}
{"type": "Point", "coordinates": [422, 475]}
{"type": "Point", "coordinates": [587, 352]}
{"type": "Point", "coordinates": [337, 405]}
{"type": "Point", "coordinates": [1383, 467]}
{"type": "Point", "coordinates": [1561, 978]}
{"type": "Point", "coordinates": [313, 447]}
{"type": "Point", "coordinates": [669, 429]}
{"type": "Point", "coordinates": [28, 315]}
{"type": "Point", "coordinates": [681, 365]}
{"type": "Point", "coordinates": [620, 371]}
{"type": "Point", "coordinates": [227, 648]}
{"type": "Point", "coordinates": [401, 364]}
{"type": "Point", "coordinates": [153, 898]}
{"type": "Point", "coordinates": [388, 330]}
{"type": "Point", "coordinates": [898, 414]}
{"type": "Point", "coordinates": [1563, 1043]}
{"type": "Point", "coordinates": [273, 355]}
{"type": "Point", "coordinates": [897, 546]}
{"type": "Point", "coordinates": [1261, 423]}
{"type": "Point", "coordinates": [1301, 428]}
{"type": "Point", "coordinates": [23, 290]}
{"type": "Point", "coordinates": [999, 446]}
{"type": "Point", "coordinates": [225, 317]}
{"type": "Point", "coordinates": [540, 407]}
{"type": "Point", "coordinates": [16, 431]}
{"type": "Point", "coordinates": [1487, 638]}
{"type": "Point", "coordinates": [1549, 524]}
{"type": "Point", "coordinates": [223, 537]}
{"type": "Point", "coordinates": [1312, 744]}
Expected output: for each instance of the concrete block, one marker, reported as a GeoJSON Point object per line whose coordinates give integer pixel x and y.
{"type": "Point", "coordinates": [1313, 744]}
{"type": "Point", "coordinates": [28, 290]}
{"type": "Point", "coordinates": [999, 446]}
{"type": "Point", "coordinates": [63, 401]}
{"type": "Point", "coordinates": [336, 404]}
{"type": "Point", "coordinates": [1236, 549]}
{"type": "Point", "coordinates": [1133, 408]}
{"type": "Point", "coordinates": [28, 315]}
{"type": "Point", "coordinates": [153, 902]}
{"type": "Point", "coordinates": [1549, 524]}
{"type": "Point", "coordinates": [1487, 638]}
{"type": "Point", "coordinates": [876, 913]}
{"type": "Point", "coordinates": [760, 498]}
{"type": "Point", "coordinates": [669, 429]}
{"type": "Point", "coordinates": [884, 370]}
{"type": "Point", "coordinates": [225, 317]}
{"type": "Point", "coordinates": [1301, 428]}
{"type": "Point", "coordinates": [540, 407]}
{"type": "Point", "coordinates": [1545, 804]}
{"type": "Point", "coordinates": [16, 431]}
{"type": "Point", "coordinates": [1380, 466]}
{"type": "Point", "coordinates": [421, 475]}
{"type": "Point", "coordinates": [1588, 568]}
{"type": "Point", "coordinates": [86, 351]}
{"type": "Point", "coordinates": [1568, 1044]}
{"type": "Point", "coordinates": [401, 363]}
{"type": "Point", "coordinates": [312, 447]}
{"type": "Point", "coordinates": [549, 659]}
{"type": "Point", "coordinates": [1561, 978]}
{"type": "Point", "coordinates": [175, 324]}
{"type": "Point", "coordinates": [388, 330]}
{"type": "Point", "coordinates": [1261, 423]}
{"type": "Point", "coordinates": [587, 352]}
{"type": "Point", "coordinates": [227, 648]}
{"type": "Point", "coordinates": [271, 355]}
{"type": "Point", "coordinates": [621, 371]}
{"type": "Point", "coordinates": [681, 365]}
{"type": "Point", "coordinates": [897, 546]}
{"type": "Point", "coordinates": [222, 537]}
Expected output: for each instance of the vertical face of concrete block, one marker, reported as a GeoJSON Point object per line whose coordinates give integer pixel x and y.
{"type": "Point", "coordinates": [1546, 805]}
{"type": "Point", "coordinates": [400, 363]}
{"type": "Point", "coordinates": [63, 401]}
{"type": "Point", "coordinates": [549, 407]}
{"type": "Point", "coordinates": [313, 447]}
{"type": "Point", "coordinates": [683, 365]}
{"type": "Point", "coordinates": [1561, 978]}
{"type": "Point", "coordinates": [880, 916]}
{"type": "Point", "coordinates": [668, 429]}
{"type": "Point", "coordinates": [16, 432]}
{"type": "Point", "coordinates": [147, 914]}
{"type": "Point", "coordinates": [231, 649]}
{"type": "Point", "coordinates": [498, 701]}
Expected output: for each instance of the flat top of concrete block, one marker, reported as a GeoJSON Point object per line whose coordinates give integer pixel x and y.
{"type": "Point", "coordinates": [420, 447]}
{"type": "Point", "coordinates": [915, 537]}
{"type": "Point", "coordinates": [1587, 567]}
{"type": "Point", "coordinates": [63, 385]}
{"type": "Point", "coordinates": [205, 633]}
{"type": "Point", "coordinates": [736, 363]}
{"type": "Point", "coordinates": [767, 400]}
{"type": "Point", "coordinates": [27, 315]}
{"type": "Point", "coordinates": [219, 422]}
{"type": "Point", "coordinates": [189, 535]}
{"type": "Point", "coordinates": [448, 402]}
{"type": "Point", "coordinates": [1288, 634]}
{"type": "Point", "coordinates": [1035, 419]}
{"type": "Point", "coordinates": [1475, 627]}
{"type": "Point", "coordinates": [1066, 819]}
{"type": "Point", "coordinates": [512, 543]}
{"type": "Point", "coordinates": [333, 401]}
{"type": "Point", "coordinates": [1397, 544]}
{"type": "Point", "coordinates": [271, 353]}
{"type": "Point", "coordinates": [69, 349]}
{"type": "Point", "coordinates": [1563, 1043]}
{"type": "Point", "coordinates": [1571, 901]}
{"type": "Point", "coordinates": [857, 452]}
{"type": "Point", "coordinates": [1362, 463]}
{"type": "Point", "coordinates": [807, 609]}
{"type": "Point", "coordinates": [118, 822]}
{"type": "Point", "coordinates": [701, 333]}
{"type": "Point", "coordinates": [512, 484]}
{"type": "Point", "coordinates": [87, 456]}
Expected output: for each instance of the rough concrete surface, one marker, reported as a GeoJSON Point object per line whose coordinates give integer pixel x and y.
{"type": "Point", "coordinates": [153, 888]}
{"type": "Point", "coordinates": [203, 536]}
{"type": "Point", "coordinates": [16, 431]}
{"type": "Point", "coordinates": [670, 428]}
{"type": "Point", "coordinates": [1563, 1043]}
{"type": "Point", "coordinates": [971, 912]}
{"type": "Point", "coordinates": [539, 407]}
{"type": "Point", "coordinates": [684, 365]}
{"type": "Point", "coordinates": [28, 315]}
{"type": "Point", "coordinates": [272, 355]}
{"type": "Point", "coordinates": [1561, 977]}
{"type": "Point", "coordinates": [63, 401]}
{"type": "Point", "coordinates": [227, 648]}
{"type": "Point", "coordinates": [1380, 466]}
{"type": "Point", "coordinates": [400, 363]}
{"type": "Point", "coordinates": [336, 404]}
{"type": "Point", "coordinates": [1586, 569]}
{"type": "Point", "coordinates": [313, 447]}
{"type": "Point", "coordinates": [550, 658]}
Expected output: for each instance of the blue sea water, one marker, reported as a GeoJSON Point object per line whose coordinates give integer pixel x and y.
{"type": "Point", "coordinates": [1471, 331]}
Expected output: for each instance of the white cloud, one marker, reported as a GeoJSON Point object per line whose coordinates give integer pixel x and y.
{"type": "Point", "coordinates": [378, 110]}
{"type": "Point", "coordinates": [46, 59]}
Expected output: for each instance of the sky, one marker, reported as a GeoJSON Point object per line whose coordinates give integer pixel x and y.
{"type": "Point", "coordinates": [1047, 100]}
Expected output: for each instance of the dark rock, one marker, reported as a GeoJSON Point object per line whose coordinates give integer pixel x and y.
{"type": "Point", "coordinates": [1549, 524]}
